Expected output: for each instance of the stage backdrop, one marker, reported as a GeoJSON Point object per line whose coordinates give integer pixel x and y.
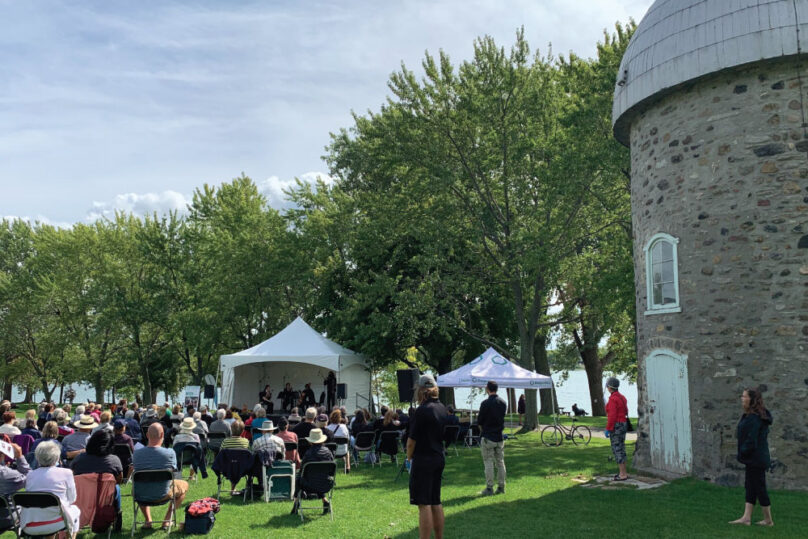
{"type": "Point", "coordinates": [299, 355]}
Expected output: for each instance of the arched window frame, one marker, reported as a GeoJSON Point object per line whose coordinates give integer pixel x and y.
{"type": "Point", "coordinates": [649, 278]}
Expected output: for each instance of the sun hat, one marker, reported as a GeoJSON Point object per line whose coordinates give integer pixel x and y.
{"type": "Point", "coordinates": [316, 436]}
{"type": "Point", "coordinates": [426, 380]}
{"type": "Point", "coordinates": [150, 412]}
{"type": "Point", "coordinates": [188, 425]}
{"type": "Point", "coordinates": [86, 422]}
{"type": "Point", "coordinates": [612, 382]}
{"type": "Point", "coordinates": [267, 426]}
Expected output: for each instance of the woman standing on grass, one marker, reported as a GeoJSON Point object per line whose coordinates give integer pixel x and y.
{"type": "Point", "coordinates": [520, 408]}
{"type": "Point", "coordinates": [617, 425]}
{"type": "Point", "coordinates": [753, 451]}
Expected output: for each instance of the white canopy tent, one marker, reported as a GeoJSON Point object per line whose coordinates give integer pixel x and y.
{"type": "Point", "coordinates": [299, 355]}
{"type": "Point", "coordinates": [490, 365]}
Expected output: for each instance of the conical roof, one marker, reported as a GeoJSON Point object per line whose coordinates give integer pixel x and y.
{"type": "Point", "coordinates": [681, 40]}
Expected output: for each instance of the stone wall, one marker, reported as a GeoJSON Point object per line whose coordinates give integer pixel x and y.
{"type": "Point", "coordinates": [722, 164]}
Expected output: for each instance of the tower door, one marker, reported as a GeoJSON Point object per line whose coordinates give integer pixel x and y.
{"type": "Point", "coordinates": [669, 411]}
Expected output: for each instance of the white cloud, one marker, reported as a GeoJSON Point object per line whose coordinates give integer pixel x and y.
{"type": "Point", "coordinates": [140, 204]}
{"type": "Point", "coordinates": [162, 203]}
{"type": "Point", "coordinates": [39, 219]}
{"type": "Point", "coordinates": [273, 188]}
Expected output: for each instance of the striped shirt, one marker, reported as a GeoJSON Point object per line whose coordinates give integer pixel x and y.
{"type": "Point", "coordinates": [235, 443]}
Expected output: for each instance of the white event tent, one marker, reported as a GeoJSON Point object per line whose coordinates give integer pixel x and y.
{"type": "Point", "coordinates": [299, 355]}
{"type": "Point", "coordinates": [490, 365]}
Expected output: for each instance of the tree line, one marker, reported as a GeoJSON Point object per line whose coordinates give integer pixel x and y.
{"type": "Point", "coordinates": [484, 204]}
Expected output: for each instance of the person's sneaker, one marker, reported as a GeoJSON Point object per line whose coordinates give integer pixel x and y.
{"type": "Point", "coordinates": [500, 489]}
{"type": "Point", "coordinates": [488, 491]}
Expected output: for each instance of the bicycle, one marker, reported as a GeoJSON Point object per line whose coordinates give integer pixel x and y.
{"type": "Point", "coordinates": [554, 435]}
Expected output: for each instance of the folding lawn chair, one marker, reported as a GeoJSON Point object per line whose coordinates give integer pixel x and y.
{"type": "Point", "coordinates": [92, 495]}
{"type": "Point", "coordinates": [279, 480]}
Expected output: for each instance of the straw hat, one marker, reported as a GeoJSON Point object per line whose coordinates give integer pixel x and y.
{"type": "Point", "coordinates": [188, 425]}
{"type": "Point", "coordinates": [86, 422]}
{"type": "Point", "coordinates": [150, 412]}
{"type": "Point", "coordinates": [267, 426]}
{"type": "Point", "coordinates": [316, 436]}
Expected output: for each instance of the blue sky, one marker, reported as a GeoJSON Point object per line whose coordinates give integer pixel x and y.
{"type": "Point", "coordinates": [113, 105]}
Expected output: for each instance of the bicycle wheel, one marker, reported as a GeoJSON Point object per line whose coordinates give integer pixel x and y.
{"type": "Point", "coordinates": [551, 436]}
{"type": "Point", "coordinates": [581, 435]}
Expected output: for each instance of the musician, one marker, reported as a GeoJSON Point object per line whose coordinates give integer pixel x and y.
{"type": "Point", "coordinates": [287, 396]}
{"type": "Point", "coordinates": [307, 397]}
{"type": "Point", "coordinates": [265, 399]}
{"type": "Point", "coordinates": [330, 384]}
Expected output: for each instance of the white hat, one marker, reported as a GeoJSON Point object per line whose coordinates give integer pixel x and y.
{"type": "Point", "coordinates": [267, 426]}
{"type": "Point", "coordinates": [316, 436]}
{"type": "Point", "coordinates": [188, 425]}
{"type": "Point", "coordinates": [86, 422]}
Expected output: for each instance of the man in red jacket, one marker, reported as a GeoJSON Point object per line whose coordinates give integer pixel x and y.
{"type": "Point", "coordinates": [616, 427]}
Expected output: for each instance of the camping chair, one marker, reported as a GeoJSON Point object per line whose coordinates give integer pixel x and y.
{"type": "Point", "coordinates": [233, 465]}
{"type": "Point", "coordinates": [303, 445]}
{"type": "Point", "coordinates": [279, 480]}
{"type": "Point", "coordinates": [332, 446]}
{"type": "Point", "coordinates": [215, 440]}
{"type": "Point", "coordinates": [25, 441]}
{"type": "Point", "coordinates": [317, 480]}
{"type": "Point", "coordinates": [472, 436]}
{"type": "Point", "coordinates": [39, 500]}
{"type": "Point", "coordinates": [9, 519]}
{"type": "Point", "coordinates": [124, 453]}
{"type": "Point", "coordinates": [342, 441]}
{"type": "Point", "coordinates": [450, 434]}
{"type": "Point", "coordinates": [153, 476]}
{"type": "Point", "coordinates": [90, 496]}
{"type": "Point", "coordinates": [365, 442]}
{"type": "Point", "coordinates": [388, 444]}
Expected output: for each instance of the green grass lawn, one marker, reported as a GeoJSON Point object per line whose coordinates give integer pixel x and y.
{"type": "Point", "coordinates": [541, 498]}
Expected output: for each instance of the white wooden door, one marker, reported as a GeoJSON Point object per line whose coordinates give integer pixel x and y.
{"type": "Point", "coordinates": [669, 411]}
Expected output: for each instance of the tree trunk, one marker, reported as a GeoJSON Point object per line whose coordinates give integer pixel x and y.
{"type": "Point", "coordinates": [542, 365]}
{"type": "Point", "coordinates": [98, 385]}
{"type": "Point", "coordinates": [511, 392]}
{"type": "Point", "coordinates": [446, 394]}
{"type": "Point", "coordinates": [29, 394]}
{"type": "Point", "coordinates": [594, 375]}
{"type": "Point", "coordinates": [61, 393]}
{"type": "Point", "coordinates": [8, 388]}
{"type": "Point", "coordinates": [531, 421]}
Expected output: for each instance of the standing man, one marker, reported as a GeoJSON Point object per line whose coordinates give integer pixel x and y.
{"type": "Point", "coordinates": [492, 422]}
{"type": "Point", "coordinates": [330, 391]}
{"type": "Point", "coordinates": [616, 426]}
{"type": "Point", "coordinates": [425, 455]}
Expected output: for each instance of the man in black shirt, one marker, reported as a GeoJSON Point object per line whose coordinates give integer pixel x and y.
{"type": "Point", "coordinates": [492, 422]}
{"type": "Point", "coordinates": [425, 454]}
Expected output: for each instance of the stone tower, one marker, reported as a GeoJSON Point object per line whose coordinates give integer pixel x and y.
{"type": "Point", "coordinates": [712, 100]}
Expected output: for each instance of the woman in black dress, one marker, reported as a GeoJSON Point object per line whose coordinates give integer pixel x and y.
{"type": "Point", "coordinates": [520, 408]}
{"type": "Point", "coordinates": [753, 451]}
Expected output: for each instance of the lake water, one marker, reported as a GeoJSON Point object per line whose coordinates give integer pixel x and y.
{"type": "Point", "coordinates": [574, 389]}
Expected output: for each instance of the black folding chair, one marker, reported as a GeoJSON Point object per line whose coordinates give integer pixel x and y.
{"type": "Point", "coordinates": [290, 446]}
{"type": "Point", "coordinates": [39, 500]}
{"type": "Point", "coordinates": [332, 446]}
{"type": "Point", "coordinates": [317, 481]}
{"type": "Point", "coordinates": [365, 442]}
{"type": "Point", "coordinates": [472, 436]}
{"type": "Point", "coordinates": [124, 453]}
{"type": "Point", "coordinates": [215, 440]}
{"type": "Point", "coordinates": [8, 516]}
{"type": "Point", "coordinates": [186, 456]}
{"type": "Point", "coordinates": [342, 440]}
{"type": "Point", "coordinates": [139, 477]}
{"type": "Point", "coordinates": [227, 466]}
{"type": "Point", "coordinates": [389, 444]}
{"type": "Point", "coordinates": [450, 434]}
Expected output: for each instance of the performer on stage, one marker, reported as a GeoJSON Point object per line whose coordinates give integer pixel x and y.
{"type": "Point", "coordinates": [287, 397]}
{"type": "Point", "coordinates": [307, 397]}
{"type": "Point", "coordinates": [265, 399]}
{"type": "Point", "coordinates": [330, 390]}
